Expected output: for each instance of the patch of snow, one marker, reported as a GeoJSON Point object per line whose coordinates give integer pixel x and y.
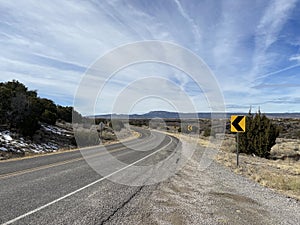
{"type": "Point", "coordinates": [3, 149]}
{"type": "Point", "coordinates": [10, 142]}
{"type": "Point", "coordinates": [55, 130]}
{"type": "Point", "coordinates": [22, 144]}
{"type": "Point", "coordinates": [7, 137]}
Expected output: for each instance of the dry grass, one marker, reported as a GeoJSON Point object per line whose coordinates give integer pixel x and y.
{"type": "Point", "coordinates": [286, 147]}
{"type": "Point", "coordinates": [280, 175]}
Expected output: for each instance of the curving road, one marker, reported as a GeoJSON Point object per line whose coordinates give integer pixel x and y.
{"type": "Point", "coordinates": [63, 189]}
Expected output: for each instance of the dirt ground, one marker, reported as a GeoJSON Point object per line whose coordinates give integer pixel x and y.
{"type": "Point", "coordinates": [214, 195]}
{"type": "Point", "coordinates": [282, 175]}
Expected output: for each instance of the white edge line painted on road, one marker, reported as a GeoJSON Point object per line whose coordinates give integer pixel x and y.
{"type": "Point", "coordinates": [82, 188]}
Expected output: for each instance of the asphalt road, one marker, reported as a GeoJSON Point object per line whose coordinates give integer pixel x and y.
{"type": "Point", "coordinates": [64, 189]}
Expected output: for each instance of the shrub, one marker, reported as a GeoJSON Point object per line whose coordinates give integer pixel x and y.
{"type": "Point", "coordinates": [86, 137]}
{"type": "Point", "coordinates": [116, 125]}
{"type": "Point", "coordinates": [259, 137]}
{"type": "Point", "coordinates": [48, 117]}
{"type": "Point", "coordinates": [209, 132]}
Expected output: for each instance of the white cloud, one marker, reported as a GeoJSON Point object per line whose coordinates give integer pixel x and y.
{"type": "Point", "coordinates": [50, 44]}
{"type": "Point", "coordinates": [48, 81]}
{"type": "Point", "coordinates": [295, 58]}
{"type": "Point", "coordinates": [274, 18]}
{"type": "Point", "coordinates": [272, 21]}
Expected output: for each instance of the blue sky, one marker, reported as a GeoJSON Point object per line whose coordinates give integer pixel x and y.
{"type": "Point", "coordinates": [252, 48]}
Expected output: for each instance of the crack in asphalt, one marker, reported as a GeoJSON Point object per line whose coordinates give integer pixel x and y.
{"type": "Point", "coordinates": [122, 205]}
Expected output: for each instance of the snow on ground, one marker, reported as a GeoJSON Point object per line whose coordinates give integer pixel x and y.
{"type": "Point", "coordinates": [12, 142]}
{"type": "Point", "coordinates": [55, 130]}
{"type": "Point", "coordinates": [3, 149]}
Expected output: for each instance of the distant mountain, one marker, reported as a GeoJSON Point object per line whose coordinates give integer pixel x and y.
{"type": "Point", "coordinates": [283, 115]}
{"type": "Point", "coordinates": [153, 114]}
{"type": "Point", "coordinates": [176, 115]}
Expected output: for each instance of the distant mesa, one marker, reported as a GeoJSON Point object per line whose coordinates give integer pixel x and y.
{"type": "Point", "coordinates": [176, 115]}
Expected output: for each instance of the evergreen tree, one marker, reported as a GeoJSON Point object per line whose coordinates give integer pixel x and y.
{"type": "Point", "coordinates": [260, 135]}
{"type": "Point", "coordinates": [5, 103]}
{"type": "Point", "coordinates": [22, 110]}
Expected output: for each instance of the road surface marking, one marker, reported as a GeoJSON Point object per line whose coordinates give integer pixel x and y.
{"type": "Point", "coordinates": [82, 188]}
{"type": "Point", "coordinates": [16, 173]}
{"type": "Point", "coordinates": [2, 176]}
{"type": "Point", "coordinates": [71, 150]}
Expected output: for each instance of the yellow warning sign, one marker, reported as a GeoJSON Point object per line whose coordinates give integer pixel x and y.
{"type": "Point", "coordinates": [238, 123]}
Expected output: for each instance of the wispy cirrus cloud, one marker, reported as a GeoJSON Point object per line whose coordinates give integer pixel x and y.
{"type": "Point", "coordinates": [295, 58]}
{"type": "Point", "coordinates": [249, 45]}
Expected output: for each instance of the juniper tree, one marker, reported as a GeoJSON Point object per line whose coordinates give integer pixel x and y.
{"type": "Point", "coordinates": [260, 135]}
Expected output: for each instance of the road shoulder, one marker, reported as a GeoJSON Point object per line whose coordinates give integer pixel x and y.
{"type": "Point", "coordinates": [213, 196]}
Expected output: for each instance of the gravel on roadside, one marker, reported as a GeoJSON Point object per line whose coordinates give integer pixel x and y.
{"type": "Point", "coordinates": [213, 196]}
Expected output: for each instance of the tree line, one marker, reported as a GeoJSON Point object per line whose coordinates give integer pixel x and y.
{"type": "Point", "coordinates": [22, 110]}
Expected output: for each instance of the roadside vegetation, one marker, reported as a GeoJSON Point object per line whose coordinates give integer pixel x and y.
{"type": "Point", "coordinates": [21, 110]}
{"type": "Point", "coordinates": [32, 125]}
{"type": "Point", "coordinates": [260, 135]}
{"type": "Point", "coordinates": [269, 150]}
{"type": "Point", "coordinates": [271, 161]}
{"type": "Point", "coordinates": [269, 147]}
{"type": "Point", "coordinates": [279, 174]}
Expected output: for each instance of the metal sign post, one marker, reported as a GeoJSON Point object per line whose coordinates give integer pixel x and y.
{"type": "Point", "coordinates": [238, 125]}
{"type": "Point", "coordinates": [237, 149]}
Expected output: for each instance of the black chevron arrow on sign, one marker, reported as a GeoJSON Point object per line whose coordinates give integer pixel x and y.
{"type": "Point", "coordinates": [236, 122]}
